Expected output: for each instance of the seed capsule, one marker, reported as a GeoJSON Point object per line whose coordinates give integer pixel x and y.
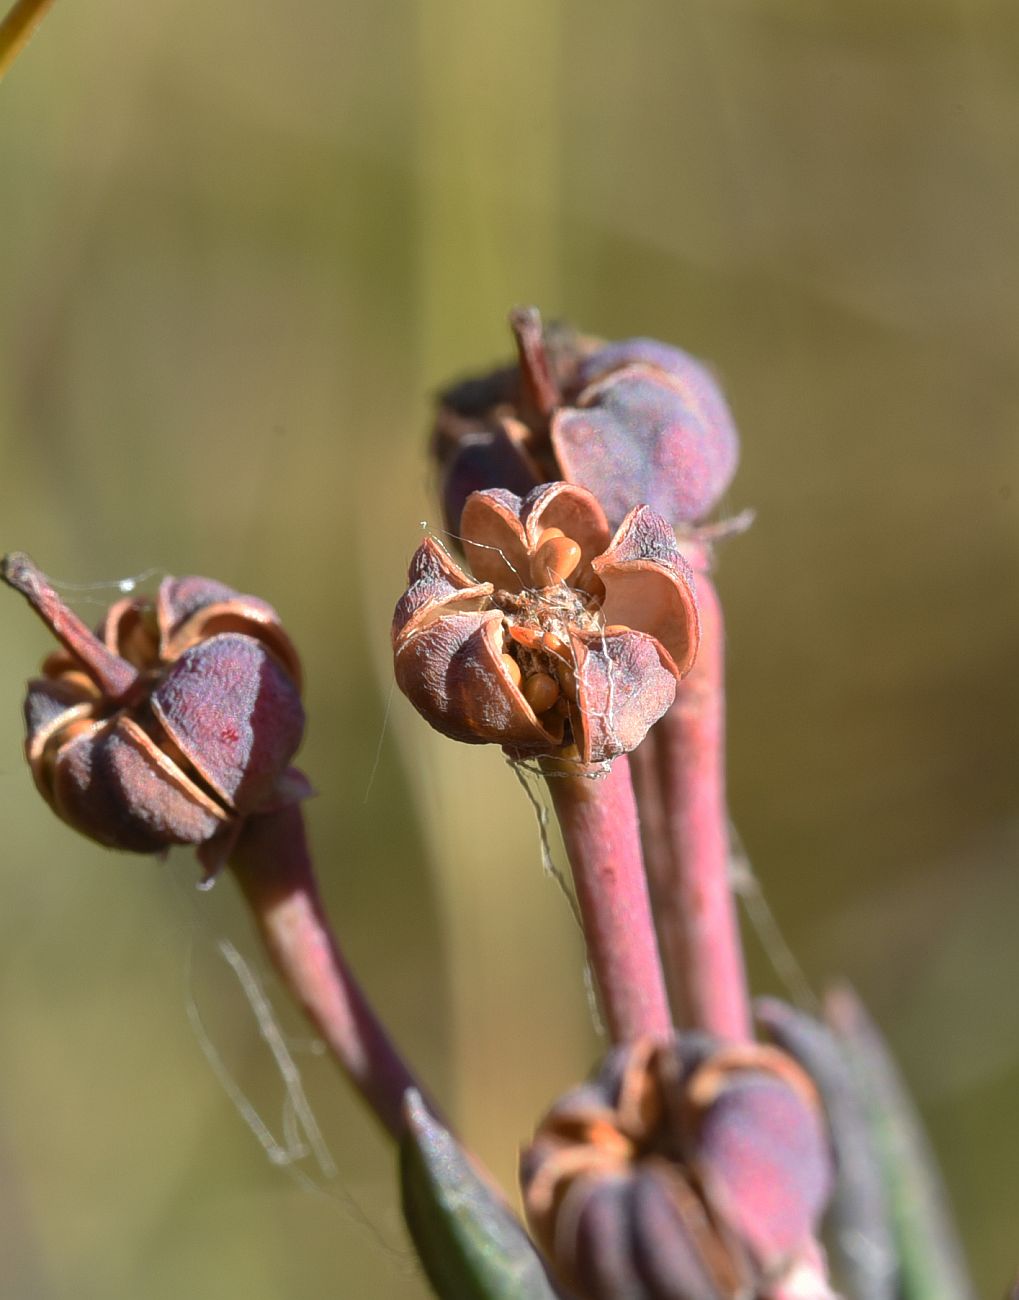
{"type": "Point", "coordinates": [459, 638]}
{"type": "Point", "coordinates": [173, 725]}
{"type": "Point", "coordinates": [645, 1181]}
{"type": "Point", "coordinates": [632, 421]}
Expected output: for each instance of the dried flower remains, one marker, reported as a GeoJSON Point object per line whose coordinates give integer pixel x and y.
{"type": "Point", "coordinates": [172, 724]}
{"type": "Point", "coordinates": [568, 642]}
{"type": "Point", "coordinates": [635, 420]}
{"type": "Point", "coordinates": [691, 1169]}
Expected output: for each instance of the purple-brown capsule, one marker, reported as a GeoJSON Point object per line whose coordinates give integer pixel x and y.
{"type": "Point", "coordinates": [633, 421]}
{"type": "Point", "coordinates": [172, 724]}
{"type": "Point", "coordinates": [567, 642]}
{"type": "Point", "coordinates": [690, 1170]}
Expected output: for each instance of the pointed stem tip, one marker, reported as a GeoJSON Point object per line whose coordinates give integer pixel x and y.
{"type": "Point", "coordinates": [114, 675]}
{"type": "Point", "coordinates": [18, 28]}
{"type": "Point", "coordinates": [18, 571]}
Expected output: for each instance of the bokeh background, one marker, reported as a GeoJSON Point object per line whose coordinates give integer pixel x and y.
{"type": "Point", "coordinates": [240, 247]}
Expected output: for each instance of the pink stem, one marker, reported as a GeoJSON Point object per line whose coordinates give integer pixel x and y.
{"type": "Point", "coordinates": [682, 786]}
{"type": "Point", "coordinates": [598, 818]}
{"type": "Point", "coordinates": [273, 867]}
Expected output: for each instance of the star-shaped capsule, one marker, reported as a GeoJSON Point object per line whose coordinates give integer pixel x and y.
{"type": "Point", "coordinates": [567, 641]}
{"type": "Point", "coordinates": [691, 1168]}
{"type": "Point", "coordinates": [173, 724]}
{"type": "Point", "coordinates": [635, 420]}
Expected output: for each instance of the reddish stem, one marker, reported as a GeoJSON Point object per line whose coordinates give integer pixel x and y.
{"type": "Point", "coordinates": [272, 864]}
{"type": "Point", "coordinates": [598, 818]}
{"type": "Point", "coordinates": [681, 790]}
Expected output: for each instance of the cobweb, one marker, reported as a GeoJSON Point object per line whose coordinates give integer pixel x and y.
{"type": "Point", "coordinates": [301, 1134]}
{"type": "Point", "coordinates": [98, 593]}
{"type": "Point", "coordinates": [748, 889]}
{"type": "Point", "coordinates": [294, 1141]}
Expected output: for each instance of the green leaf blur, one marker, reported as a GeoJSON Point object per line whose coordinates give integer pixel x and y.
{"type": "Point", "coordinates": [468, 1241]}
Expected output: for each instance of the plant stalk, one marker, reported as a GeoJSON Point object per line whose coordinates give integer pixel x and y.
{"type": "Point", "coordinates": [272, 863]}
{"type": "Point", "coordinates": [931, 1263]}
{"type": "Point", "coordinates": [18, 28]}
{"type": "Point", "coordinates": [680, 780]}
{"type": "Point", "coordinates": [598, 819]}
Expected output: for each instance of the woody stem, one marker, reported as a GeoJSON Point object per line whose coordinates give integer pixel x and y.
{"type": "Point", "coordinates": [680, 779]}
{"type": "Point", "coordinates": [598, 819]}
{"type": "Point", "coordinates": [272, 863]}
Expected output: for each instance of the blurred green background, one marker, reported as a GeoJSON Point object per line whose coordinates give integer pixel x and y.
{"type": "Point", "coordinates": [240, 246]}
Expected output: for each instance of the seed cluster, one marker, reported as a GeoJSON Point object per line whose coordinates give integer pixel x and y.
{"type": "Point", "coordinates": [536, 647]}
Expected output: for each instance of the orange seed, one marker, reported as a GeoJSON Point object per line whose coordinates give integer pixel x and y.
{"type": "Point", "coordinates": [528, 637]}
{"type": "Point", "coordinates": [554, 561]}
{"type": "Point", "coordinates": [552, 643]}
{"type": "Point", "coordinates": [541, 691]}
{"type": "Point", "coordinates": [567, 680]}
{"type": "Point", "coordinates": [512, 667]}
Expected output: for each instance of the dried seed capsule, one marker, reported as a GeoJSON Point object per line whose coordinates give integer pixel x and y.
{"type": "Point", "coordinates": [691, 1168]}
{"type": "Point", "coordinates": [451, 632]}
{"type": "Point", "coordinates": [174, 724]}
{"type": "Point", "coordinates": [633, 421]}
